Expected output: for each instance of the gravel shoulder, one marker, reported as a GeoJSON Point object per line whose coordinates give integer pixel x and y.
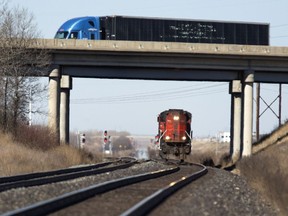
{"type": "Point", "coordinates": [217, 193]}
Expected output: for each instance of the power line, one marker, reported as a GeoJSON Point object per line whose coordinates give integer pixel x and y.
{"type": "Point", "coordinates": [172, 97]}
{"type": "Point", "coordinates": [151, 93]}
{"type": "Point", "coordinates": [141, 94]}
{"type": "Point", "coordinates": [154, 95]}
{"type": "Point", "coordinates": [280, 36]}
{"type": "Point", "coordinates": [279, 26]}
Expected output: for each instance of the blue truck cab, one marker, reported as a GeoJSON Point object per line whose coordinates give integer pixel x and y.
{"type": "Point", "coordinates": [80, 28]}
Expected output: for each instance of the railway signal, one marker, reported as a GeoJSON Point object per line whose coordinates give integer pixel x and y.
{"type": "Point", "coordinates": [106, 137]}
{"type": "Point", "coordinates": [107, 147]}
{"type": "Point", "coordinates": [82, 140]}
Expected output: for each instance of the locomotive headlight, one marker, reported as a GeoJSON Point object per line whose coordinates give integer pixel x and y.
{"type": "Point", "coordinates": [184, 138]}
{"type": "Point", "coordinates": [167, 137]}
{"type": "Point", "coordinates": [176, 118]}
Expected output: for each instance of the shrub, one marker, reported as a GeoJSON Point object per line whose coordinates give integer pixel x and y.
{"type": "Point", "coordinates": [38, 137]}
{"type": "Point", "coordinates": [19, 158]}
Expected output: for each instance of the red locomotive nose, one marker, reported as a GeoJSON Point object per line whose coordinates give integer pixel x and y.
{"type": "Point", "coordinates": [175, 132]}
{"type": "Point", "coordinates": [176, 126]}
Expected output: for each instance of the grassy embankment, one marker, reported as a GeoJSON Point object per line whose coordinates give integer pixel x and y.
{"type": "Point", "coordinates": [34, 151]}
{"type": "Point", "coordinates": [267, 171]}
{"type": "Point", "coordinates": [267, 168]}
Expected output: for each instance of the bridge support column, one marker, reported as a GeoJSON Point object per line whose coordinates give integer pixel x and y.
{"type": "Point", "coordinates": [66, 86]}
{"type": "Point", "coordinates": [248, 113]}
{"type": "Point", "coordinates": [235, 142]}
{"type": "Point", "coordinates": [53, 103]}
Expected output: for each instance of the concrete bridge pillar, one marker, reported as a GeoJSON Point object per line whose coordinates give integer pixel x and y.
{"type": "Point", "coordinates": [66, 86]}
{"type": "Point", "coordinates": [235, 142]}
{"type": "Point", "coordinates": [53, 103]}
{"type": "Point", "coordinates": [248, 112]}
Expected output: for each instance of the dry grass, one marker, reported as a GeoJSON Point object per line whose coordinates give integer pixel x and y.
{"type": "Point", "coordinates": [208, 153]}
{"type": "Point", "coordinates": [267, 171]}
{"type": "Point", "coordinates": [278, 135]}
{"type": "Point", "coordinates": [16, 158]}
{"type": "Point", "coordinates": [37, 137]}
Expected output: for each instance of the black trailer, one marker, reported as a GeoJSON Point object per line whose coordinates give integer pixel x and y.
{"type": "Point", "coordinates": [176, 30]}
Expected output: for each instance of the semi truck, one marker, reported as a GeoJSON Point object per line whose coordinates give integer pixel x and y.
{"type": "Point", "coordinates": [164, 29]}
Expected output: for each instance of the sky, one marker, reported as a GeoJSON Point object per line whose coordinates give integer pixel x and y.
{"type": "Point", "coordinates": [93, 104]}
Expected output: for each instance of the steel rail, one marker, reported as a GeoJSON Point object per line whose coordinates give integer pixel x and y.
{"type": "Point", "coordinates": [68, 199]}
{"type": "Point", "coordinates": [64, 177]}
{"type": "Point", "coordinates": [15, 178]}
{"type": "Point", "coordinates": [149, 203]}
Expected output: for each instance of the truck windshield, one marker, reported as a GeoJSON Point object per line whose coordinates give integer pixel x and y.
{"type": "Point", "coordinates": [61, 35]}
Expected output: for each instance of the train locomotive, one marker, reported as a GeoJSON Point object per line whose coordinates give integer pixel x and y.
{"type": "Point", "coordinates": [174, 133]}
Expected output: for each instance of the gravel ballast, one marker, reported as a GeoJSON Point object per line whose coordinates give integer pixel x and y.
{"type": "Point", "coordinates": [217, 193]}
{"type": "Point", "coordinates": [17, 198]}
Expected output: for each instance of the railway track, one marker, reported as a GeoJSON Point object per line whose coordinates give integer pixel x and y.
{"type": "Point", "coordinates": [41, 178]}
{"type": "Point", "coordinates": [149, 203]}
{"type": "Point", "coordinates": [181, 176]}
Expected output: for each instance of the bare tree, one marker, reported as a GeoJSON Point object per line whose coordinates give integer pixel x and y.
{"type": "Point", "coordinates": [21, 65]}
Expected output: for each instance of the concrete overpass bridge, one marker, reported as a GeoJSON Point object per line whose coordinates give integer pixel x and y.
{"type": "Point", "coordinates": [241, 65]}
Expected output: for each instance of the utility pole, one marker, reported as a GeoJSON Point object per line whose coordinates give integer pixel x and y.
{"type": "Point", "coordinates": [30, 107]}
